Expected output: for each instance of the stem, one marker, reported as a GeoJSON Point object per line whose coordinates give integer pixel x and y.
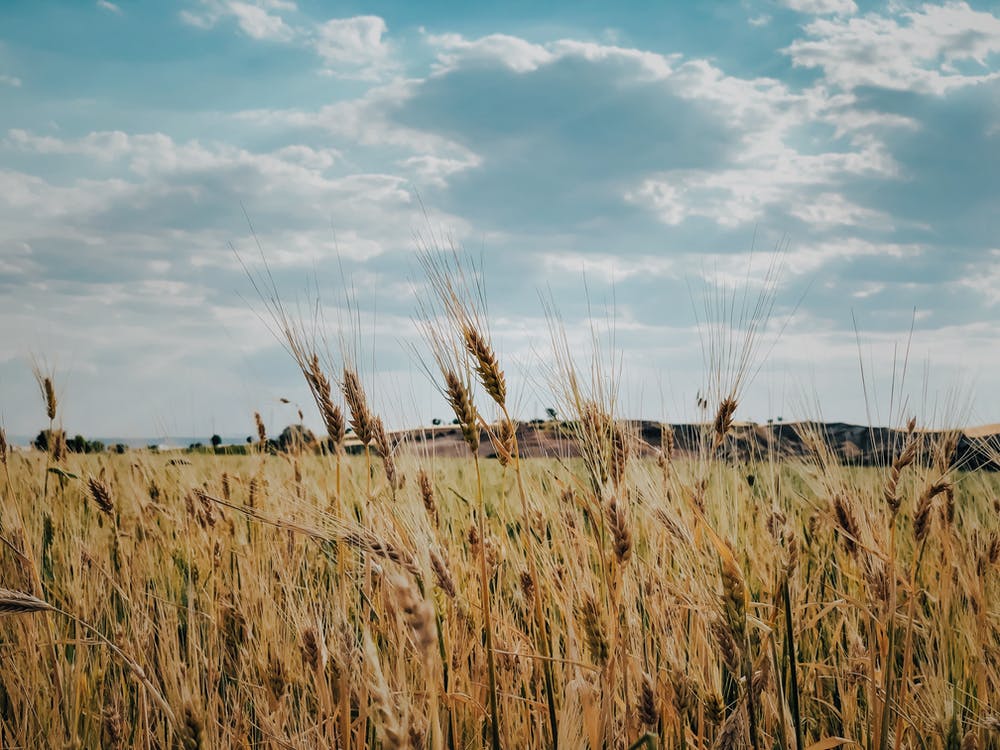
{"type": "Point", "coordinates": [133, 666]}
{"type": "Point", "coordinates": [37, 580]}
{"type": "Point", "coordinates": [484, 592]}
{"type": "Point", "coordinates": [793, 697]}
{"type": "Point", "coordinates": [339, 505]}
{"type": "Point", "coordinates": [748, 676]}
{"type": "Point", "coordinates": [368, 472]}
{"type": "Point", "coordinates": [887, 667]}
{"type": "Point", "coordinates": [908, 648]}
{"type": "Point", "coordinates": [542, 631]}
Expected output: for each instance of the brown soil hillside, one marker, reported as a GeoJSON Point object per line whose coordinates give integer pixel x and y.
{"type": "Point", "coordinates": [854, 444]}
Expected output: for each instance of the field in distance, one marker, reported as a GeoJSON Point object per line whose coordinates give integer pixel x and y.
{"type": "Point", "coordinates": [634, 598]}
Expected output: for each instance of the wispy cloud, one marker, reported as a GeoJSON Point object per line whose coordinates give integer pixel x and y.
{"type": "Point", "coordinates": [255, 19]}
{"type": "Point", "coordinates": [821, 7]}
{"type": "Point", "coordinates": [921, 50]}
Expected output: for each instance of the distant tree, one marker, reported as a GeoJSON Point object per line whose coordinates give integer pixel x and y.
{"type": "Point", "coordinates": [249, 440]}
{"type": "Point", "coordinates": [552, 414]}
{"type": "Point", "coordinates": [120, 448]}
{"type": "Point", "coordinates": [295, 438]}
{"type": "Point", "coordinates": [77, 445]}
{"type": "Point", "coordinates": [780, 419]}
{"type": "Point", "coordinates": [80, 444]}
{"type": "Point", "coordinates": [216, 441]}
{"type": "Point", "coordinates": [47, 438]}
{"type": "Point", "coordinates": [770, 421]}
{"type": "Point", "coordinates": [455, 421]}
{"type": "Point", "coordinates": [436, 422]}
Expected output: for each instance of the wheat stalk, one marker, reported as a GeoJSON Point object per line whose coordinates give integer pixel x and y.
{"type": "Point", "coordinates": [18, 602]}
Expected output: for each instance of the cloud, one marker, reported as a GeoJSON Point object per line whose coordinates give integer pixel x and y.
{"type": "Point", "coordinates": [822, 7]}
{"type": "Point", "coordinates": [353, 46]}
{"type": "Point", "coordinates": [925, 50]}
{"type": "Point", "coordinates": [188, 195]}
{"type": "Point", "coordinates": [259, 24]}
{"type": "Point", "coordinates": [8, 80]}
{"type": "Point", "coordinates": [517, 54]}
{"type": "Point", "coordinates": [368, 121]}
{"type": "Point", "coordinates": [109, 6]}
{"type": "Point", "coordinates": [984, 277]}
{"type": "Point", "coordinates": [564, 127]}
{"type": "Point", "coordinates": [253, 18]}
{"type": "Point", "coordinates": [695, 142]}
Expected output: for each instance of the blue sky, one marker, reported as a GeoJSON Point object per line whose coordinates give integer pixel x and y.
{"type": "Point", "coordinates": [617, 158]}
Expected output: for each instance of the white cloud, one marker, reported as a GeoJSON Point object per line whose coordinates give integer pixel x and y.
{"type": "Point", "coordinates": [259, 24]}
{"type": "Point", "coordinates": [918, 51]}
{"type": "Point", "coordinates": [985, 278]}
{"type": "Point", "coordinates": [768, 169]}
{"type": "Point", "coordinates": [763, 179]}
{"type": "Point", "coordinates": [353, 46]}
{"type": "Point", "coordinates": [253, 18]}
{"type": "Point", "coordinates": [522, 56]}
{"type": "Point", "coordinates": [822, 7]}
{"type": "Point", "coordinates": [435, 170]}
{"type": "Point", "coordinates": [308, 157]}
{"type": "Point", "coordinates": [517, 54]}
{"type": "Point", "coordinates": [198, 20]}
{"type": "Point", "coordinates": [16, 258]}
{"type": "Point", "coordinates": [359, 214]}
{"type": "Point", "coordinates": [801, 259]}
{"type": "Point", "coordinates": [608, 269]}
{"type": "Point", "coordinates": [108, 6]}
{"type": "Point", "coordinates": [10, 81]}
{"type": "Point", "coordinates": [365, 122]}
{"type": "Point", "coordinates": [830, 210]}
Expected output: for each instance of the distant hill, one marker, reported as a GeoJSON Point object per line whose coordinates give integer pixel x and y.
{"type": "Point", "coordinates": [854, 444]}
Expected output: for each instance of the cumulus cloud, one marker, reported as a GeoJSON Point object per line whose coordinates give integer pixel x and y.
{"type": "Point", "coordinates": [353, 47]}
{"type": "Point", "coordinates": [921, 50]}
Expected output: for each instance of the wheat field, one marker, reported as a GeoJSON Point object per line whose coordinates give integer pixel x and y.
{"type": "Point", "coordinates": [392, 598]}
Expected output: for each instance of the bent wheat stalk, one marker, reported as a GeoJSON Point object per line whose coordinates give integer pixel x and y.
{"type": "Point", "coordinates": [18, 602]}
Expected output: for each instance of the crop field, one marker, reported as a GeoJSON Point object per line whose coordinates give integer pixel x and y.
{"type": "Point", "coordinates": [362, 591]}
{"type": "Point", "coordinates": [307, 600]}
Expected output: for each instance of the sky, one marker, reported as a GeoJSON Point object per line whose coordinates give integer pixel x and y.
{"type": "Point", "coordinates": [619, 163]}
